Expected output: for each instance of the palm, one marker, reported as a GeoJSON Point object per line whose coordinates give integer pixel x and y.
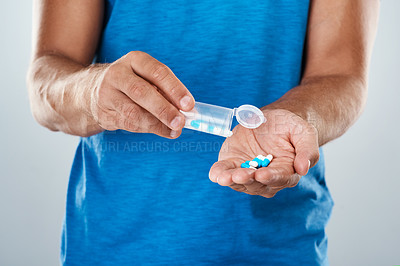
{"type": "Point", "coordinates": [279, 137]}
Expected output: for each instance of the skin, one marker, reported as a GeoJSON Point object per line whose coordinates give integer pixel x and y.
{"type": "Point", "coordinates": [330, 98]}
{"type": "Point", "coordinates": [137, 93]}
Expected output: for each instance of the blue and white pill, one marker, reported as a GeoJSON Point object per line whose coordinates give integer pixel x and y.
{"type": "Point", "coordinates": [267, 160]}
{"type": "Point", "coordinates": [261, 157]}
{"type": "Point", "coordinates": [253, 163]}
{"type": "Point", "coordinates": [257, 162]}
{"type": "Point", "coordinates": [245, 165]}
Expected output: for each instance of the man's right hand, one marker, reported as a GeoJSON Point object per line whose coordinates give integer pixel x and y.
{"type": "Point", "coordinates": [137, 93]}
{"type": "Point", "coordinates": [68, 93]}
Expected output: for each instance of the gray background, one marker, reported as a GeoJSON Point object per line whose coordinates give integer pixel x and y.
{"type": "Point", "coordinates": [362, 166]}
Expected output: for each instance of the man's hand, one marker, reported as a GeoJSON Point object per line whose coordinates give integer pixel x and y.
{"type": "Point", "coordinates": [292, 141]}
{"type": "Point", "coordinates": [136, 93]}
{"type": "Point", "coordinates": [326, 103]}
{"type": "Point", "coordinates": [140, 94]}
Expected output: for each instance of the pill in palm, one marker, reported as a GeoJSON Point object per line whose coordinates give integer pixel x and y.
{"type": "Point", "coordinates": [259, 161]}
{"type": "Point", "coordinates": [267, 160]}
{"type": "Point", "coordinates": [245, 164]}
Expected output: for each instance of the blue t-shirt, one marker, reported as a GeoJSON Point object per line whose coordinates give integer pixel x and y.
{"type": "Point", "coordinates": [139, 199]}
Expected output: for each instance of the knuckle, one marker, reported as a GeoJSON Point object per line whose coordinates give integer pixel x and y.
{"type": "Point", "coordinates": [175, 91]}
{"type": "Point", "coordinates": [163, 112]}
{"type": "Point", "coordinates": [128, 125]}
{"type": "Point", "coordinates": [294, 181]}
{"type": "Point", "coordinates": [288, 181]}
{"type": "Point", "coordinates": [132, 54]}
{"type": "Point", "coordinates": [132, 126]}
{"type": "Point", "coordinates": [117, 103]}
{"type": "Point", "coordinates": [159, 129]}
{"type": "Point", "coordinates": [130, 112]}
{"type": "Point", "coordinates": [159, 72]}
{"type": "Point", "coordinates": [136, 90]}
{"type": "Point", "coordinates": [269, 194]}
{"type": "Point", "coordinates": [257, 190]}
{"type": "Point", "coordinates": [239, 188]}
{"type": "Point", "coordinates": [260, 190]}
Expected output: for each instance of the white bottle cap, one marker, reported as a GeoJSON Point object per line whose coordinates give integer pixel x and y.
{"type": "Point", "coordinates": [249, 116]}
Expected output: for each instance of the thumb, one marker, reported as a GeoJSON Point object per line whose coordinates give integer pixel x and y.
{"type": "Point", "coordinates": [307, 153]}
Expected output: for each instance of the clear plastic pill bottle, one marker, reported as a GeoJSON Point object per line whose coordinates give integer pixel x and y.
{"type": "Point", "coordinates": [217, 120]}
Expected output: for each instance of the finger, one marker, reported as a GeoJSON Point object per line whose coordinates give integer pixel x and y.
{"type": "Point", "coordinates": [269, 192]}
{"type": "Point", "coordinates": [306, 148]}
{"type": "Point", "coordinates": [252, 187]}
{"type": "Point", "coordinates": [160, 75]}
{"type": "Point", "coordinates": [277, 174]}
{"type": "Point", "coordinates": [162, 131]}
{"type": "Point", "coordinates": [243, 176]}
{"type": "Point", "coordinates": [134, 118]}
{"type": "Point", "coordinates": [145, 95]}
{"type": "Point", "coordinates": [220, 172]}
{"type": "Point", "coordinates": [239, 188]}
{"type": "Point", "coordinates": [225, 178]}
{"type": "Point", "coordinates": [243, 179]}
{"type": "Point", "coordinates": [256, 188]}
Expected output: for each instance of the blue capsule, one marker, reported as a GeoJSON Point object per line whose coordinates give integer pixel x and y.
{"type": "Point", "coordinates": [245, 165]}
{"type": "Point", "coordinates": [267, 160]}
{"type": "Point", "coordinates": [256, 162]}
{"type": "Point", "coordinates": [259, 161]}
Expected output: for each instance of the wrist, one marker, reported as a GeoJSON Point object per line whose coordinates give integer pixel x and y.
{"type": "Point", "coordinates": [93, 78]}
{"type": "Point", "coordinates": [94, 75]}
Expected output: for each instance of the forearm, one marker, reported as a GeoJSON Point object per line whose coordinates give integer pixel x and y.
{"type": "Point", "coordinates": [60, 92]}
{"type": "Point", "coordinates": [333, 91]}
{"type": "Point", "coordinates": [330, 103]}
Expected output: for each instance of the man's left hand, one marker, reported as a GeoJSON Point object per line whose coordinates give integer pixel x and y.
{"type": "Point", "coordinates": [291, 140]}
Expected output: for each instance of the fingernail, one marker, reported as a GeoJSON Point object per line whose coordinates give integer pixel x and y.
{"type": "Point", "coordinates": [185, 102]}
{"type": "Point", "coordinates": [216, 179]}
{"type": "Point", "coordinates": [173, 134]}
{"type": "Point", "coordinates": [309, 164]}
{"type": "Point", "coordinates": [176, 122]}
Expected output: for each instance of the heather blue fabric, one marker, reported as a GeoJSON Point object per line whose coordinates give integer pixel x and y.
{"type": "Point", "coordinates": [139, 199]}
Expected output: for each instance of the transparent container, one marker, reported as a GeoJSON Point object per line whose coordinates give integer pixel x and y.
{"type": "Point", "coordinates": [217, 120]}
